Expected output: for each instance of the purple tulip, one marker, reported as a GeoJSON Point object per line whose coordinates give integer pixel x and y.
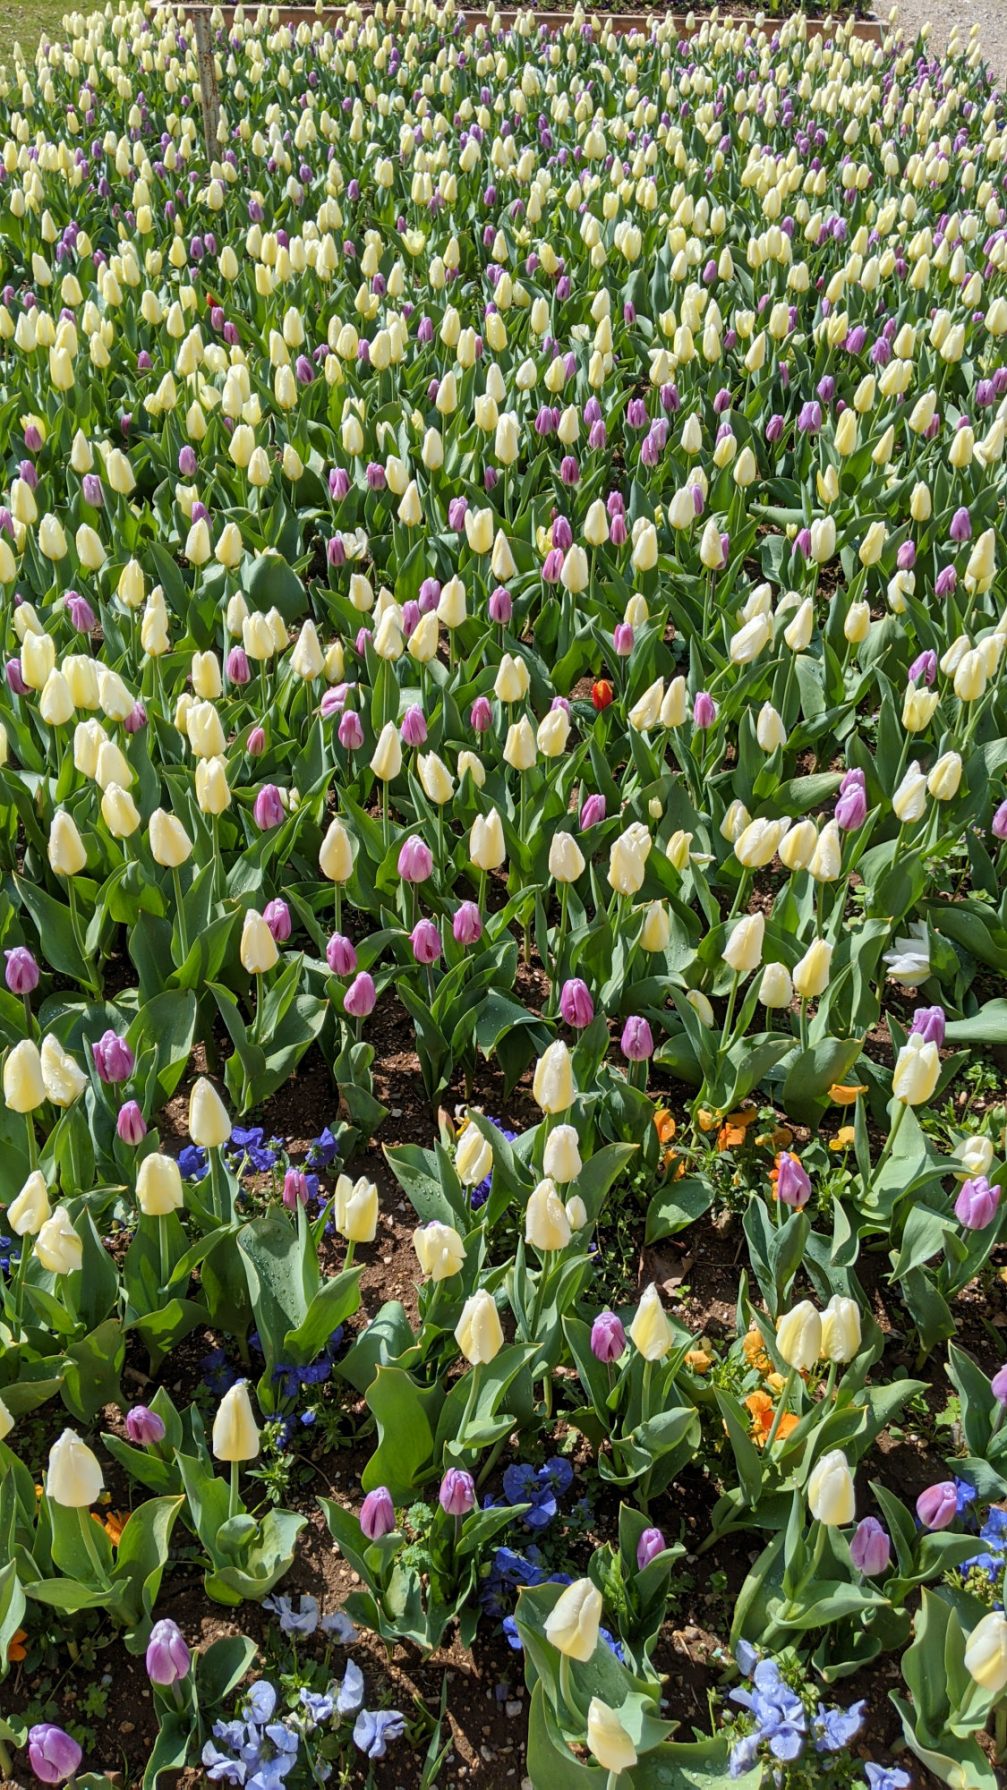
{"type": "Point", "coordinates": [619, 533]}
{"type": "Point", "coordinates": [53, 1754]}
{"type": "Point", "coordinates": [481, 715]}
{"type": "Point", "coordinates": [92, 490]}
{"type": "Point", "coordinates": [961, 526]}
{"type": "Point", "coordinates": [457, 511]}
{"type": "Point", "coordinates": [637, 1042]}
{"type": "Point", "coordinates": [168, 1657]}
{"type": "Point", "coordinates": [501, 606]}
{"type": "Point", "coordinates": [622, 639]}
{"type": "Point", "coordinates": [340, 955]}
{"type": "Point", "coordinates": [575, 1003]}
{"type": "Point", "coordinates": [361, 996]}
{"type": "Point", "coordinates": [608, 1338]}
{"type": "Point", "coordinates": [144, 1427]}
{"type": "Point", "coordinates": [774, 428]}
{"type": "Point", "coordinates": [457, 1495]}
{"type": "Point", "coordinates": [467, 926]}
{"type": "Point", "coordinates": [350, 731]}
{"type": "Point", "coordinates": [871, 1548]}
{"type": "Point", "coordinates": [851, 808]}
{"type": "Point", "coordinates": [924, 666]}
{"type": "Point", "coordinates": [277, 917]}
{"type": "Point", "coordinates": [430, 595]}
{"type": "Point", "coordinates": [21, 972]}
{"type": "Point", "coordinates": [187, 462]}
{"type": "Point", "coordinates": [268, 809]}
{"type": "Point", "coordinates": [414, 727]}
{"type": "Point", "coordinates": [80, 612]}
{"type": "Point", "coordinates": [999, 822]}
{"type": "Point", "coordinates": [937, 1507]}
{"type": "Point", "coordinates": [377, 1513]}
{"type": "Point", "coordinates": [237, 667]}
{"type": "Point", "coordinates": [977, 1204]}
{"type": "Point", "coordinates": [113, 1058]}
{"type": "Point", "coordinates": [793, 1185]}
{"type": "Point", "coordinates": [416, 861]}
{"type": "Point", "coordinates": [425, 941]}
{"type": "Point", "coordinates": [15, 681]}
{"type": "Point", "coordinates": [295, 1188]}
{"type": "Point", "coordinates": [257, 742]}
{"type": "Point", "coordinates": [650, 1544]}
{"type": "Point", "coordinates": [998, 1386]}
{"type": "Point", "coordinates": [929, 1024]}
{"type": "Point", "coordinates": [136, 720]}
{"type": "Point", "coordinates": [131, 1124]}
{"type": "Point", "coordinates": [592, 812]}
{"type": "Point", "coordinates": [704, 710]}
{"type": "Point", "coordinates": [946, 582]}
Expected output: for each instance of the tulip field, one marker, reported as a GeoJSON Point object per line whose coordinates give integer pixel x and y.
{"type": "Point", "coordinates": [503, 839]}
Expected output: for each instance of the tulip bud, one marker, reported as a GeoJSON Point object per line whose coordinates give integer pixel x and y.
{"type": "Point", "coordinates": [743, 950]}
{"type": "Point", "coordinates": [799, 1336]}
{"type": "Point", "coordinates": [811, 975]}
{"type": "Point", "coordinates": [23, 1086]}
{"type": "Point", "coordinates": [561, 1159]}
{"type": "Point", "coordinates": [547, 1227]}
{"type": "Point", "coordinates": [650, 1332]}
{"type": "Point", "coordinates": [986, 1653]}
{"type": "Point", "coordinates": [841, 1332]}
{"type": "Point", "coordinates": [168, 1659]}
{"type": "Point", "coordinates": [573, 1622]}
{"type": "Point", "coordinates": [377, 1514]}
{"type": "Point", "coordinates": [917, 1071]}
{"type": "Point", "coordinates": [552, 1085]}
{"type": "Point", "coordinates": [937, 1507]}
{"type": "Point", "coordinates": [607, 1739]}
{"type": "Point", "coordinates": [871, 1548]}
{"type": "Point", "coordinates": [439, 1250]}
{"type": "Point", "coordinates": [235, 1436]}
{"type": "Point", "coordinates": [159, 1186]}
{"type": "Point", "coordinates": [73, 1477]}
{"type": "Point", "coordinates": [479, 1334]}
{"type": "Point", "coordinates": [831, 1497]}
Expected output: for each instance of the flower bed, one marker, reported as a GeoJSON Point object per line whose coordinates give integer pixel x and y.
{"type": "Point", "coordinates": [503, 816]}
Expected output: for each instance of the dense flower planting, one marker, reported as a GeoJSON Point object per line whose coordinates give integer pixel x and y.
{"type": "Point", "coordinates": [504, 563]}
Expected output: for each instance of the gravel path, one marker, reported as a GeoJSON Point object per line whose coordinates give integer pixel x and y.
{"type": "Point", "coordinates": [960, 15]}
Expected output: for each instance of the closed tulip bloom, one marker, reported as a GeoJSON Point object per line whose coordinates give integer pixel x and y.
{"type": "Point", "coordinates": [736, 819]}
{"type": "Point", "coordinates": [628, 859]}
{"type": "Point", "coordinates": [650, 1332]}
{"type": "Point", "coordinates": [566, 860]}
{"type": "Point", "coordinates": [119, 812]}
{"type": "Point", "coordinates": [649, 1546]}
{"type": "Point", "coordinates": [637, 1041]}
{"type": "Point", "coordinates": [361, 996]}
{"type": "Point", "coordinates": [335, 858]}
{"type": "Point", "coordinates": [827, 858]}
{"type": "Point", "coordinates": [573, 1623]}
{"type": "Point", "coordinates": [743, 950]}
{"type": "Point", "coordinates": [467, 926]}
{"type": "Point", "coordinates": [57, 1246]}
{"type": "Point", "coordinates": [73, 1477]}
{"type": "Point", "coordinates": [23, 1087]}
{"type": "Point", "coordinates": [235, 1435]}
{"type": "Point", "coordinates": [268, 810]}
{"type": "Point", "coordinates": [437, 781]}
{"type": "Point", "coordinates": [130, 1124]}
{"type": "Point", "coordinates": [986, 1653]}
{"type": "Point", "coordinates": [811, 975]}
{"type": "Point", "coordinates": [520, 751]}
{"type": "Point", "coordinates": [552, 1084]}
{"type": "Point", "coordinates": [675, 706]}
{"type": "Point", "coordinates": [945, 777]}
{"type": "Point", "coordinates": [62, 1076]}
{"type": "Point", "coordinates": [871, 1548]}
{"type": "Point", "coordinates": [793, 1185]}
{"type": "Point", "coordinates": [457, 1494]}
{"type": "Point", "coordinates": [841, 1330]}
{"type": "Point", "coordinates": [159, 1186]}
{"type": "Point", "coordinates": [113, 1058]}
{"type": "Point", "coordinates": [770, 732]}
{"type": "Point", "coordinates": [167, 1659]}
{"type": "Point", "coordinates": [479, 1334]}
{"type": "Point", "coordinates": [937, 1507]}
{"type": "Point", "coordinates": [799, 1336]}
{"type": "Point", "coordinates": [607, 1739]}
{"type": "Point", "coordinates": [144, 1427]}
{"type": "Point", "coordinates": [474, 1157]}
{"type": "Point", "coordinates": [776, 988]}
{"type": "Point", "coordinates": [656, 932]}
{"type": "Point", "coordinates": [30, 1209]}
{"type": "Point", "coordinates": [831, 1498]}
{"type": "Point", "coordinates": [487, 849]}
{"type": "Point", "coordinates": [415, 860]}
{"type": "Point", "coordinates": [547, 1226]}
{"type": "Point", "coordinates": [977, 1203]}
{"type": "Point", "coordinates": [910, 799]}
{"type": "Point", "coordinates": [608, 1338]}
{"type": "Point", "coordinates": [646, 711]}
{"type": "Point", "coordinates": [209, 1123]}
{"type": "Point", "coordinates": [170, 844]}
{"type": "Point", "coordinates": [377, 1513]}
{"type": "Point", "coordinates": [758, 844]}
{"type": "Point", "coordinates": [212, 791]}
{"type": "Point", "coordinates": [561, 1159]}
{"type": "Point", "coordinates": [917, 1069]}
{"type": "Point", "coordinates": [257, 950]}
{"type": "Point", "coordinates": [439, 1250]}
{"type": "Point", "coordinates": [387, 760]}
{"type": "Point", "coordinates": [512, 679]}
{"type": "Point", "coordinates": [355, 1209]}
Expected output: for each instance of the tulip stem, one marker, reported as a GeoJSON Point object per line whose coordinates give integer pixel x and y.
{"type": "Point", "coordinates": [6, 1763]}
{"type": "Point", "coordinates": [86, 1520]}
{"type": "Point", "coordinates": [257, 1022]}
{"type": "Point", "coordinates": [471, 1400]}
{"type": "Point", "coordinates": [29, 1125]}
{"type": "Point", "coordinates": [888, 1146]}
{"type": "Point", "coordinates": [351, 1249]}
{"type": "Point", "coordinates": [566, 1685]}
{"type": "Point", "coordinates": [1000, 1732]}
{"type": "Point", "coordinates": [183, 937]}
{"type": "Point", "coordinates": [90, 980]}
{"type": "Point", "coordinates": [729, 1015]}
{"type": "Point", "coordinates": [234, 1495]}
{"type": "Point", "coordinates": [788, 1387]}
{"type": "Point", "coordinates": [339, 906]}
{"type": "Point", "coordinates": [162, 1247]}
